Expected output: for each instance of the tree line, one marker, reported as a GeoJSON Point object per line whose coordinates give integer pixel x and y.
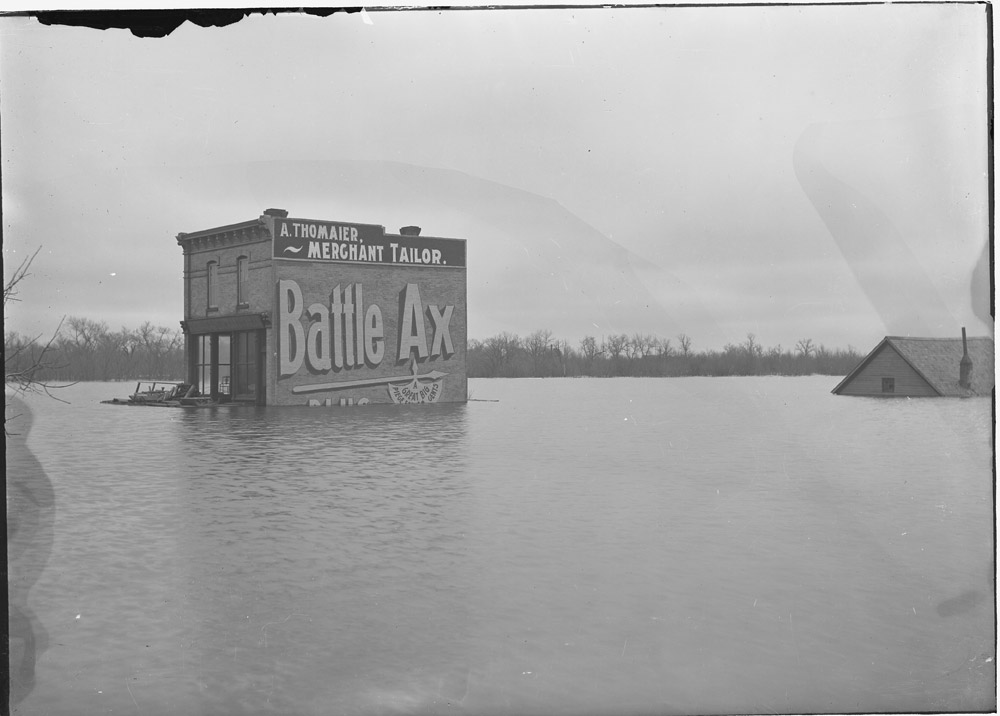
{"type": "Point", "coordinates": [541, 355]}
{"type": "Point", "coordinates": [83, 349]}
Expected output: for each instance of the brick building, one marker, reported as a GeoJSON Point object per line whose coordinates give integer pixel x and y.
{"type": "Point", "coordinates": [282, 311]}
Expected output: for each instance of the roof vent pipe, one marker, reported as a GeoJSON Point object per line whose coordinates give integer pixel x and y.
{"type": "Point", "coordinates": [965, 365]}
{"type": "Point", "coordinates": [410, 231]}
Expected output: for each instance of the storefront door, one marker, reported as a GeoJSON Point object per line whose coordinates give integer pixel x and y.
{"type": "Point", "coordinates": [247, 368]}
{"type": "Point", "coordinates": [213, 366]}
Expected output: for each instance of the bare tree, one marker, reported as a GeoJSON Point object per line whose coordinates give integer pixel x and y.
{"type": "Point", "coordinates": [561, 351]}
{"type": "Point", "coordinates": [86, 333]}
{"type": "Point", "coordinates": [499, 350]}
{"type": "Point", "coordinates": [615, 345]}
{"type": "Point", "coordinates": [641, 345]}
{"type": "Point", "coordinates": [685, 342]}
{"type": "Point", "coordinates": [805, 347]}
{"type": "Point", "coordinates": [589, 348]}
{"type": "Point", "coordinates": [537, 345]}
{"type": "Point", "coordinates": [25, 360]}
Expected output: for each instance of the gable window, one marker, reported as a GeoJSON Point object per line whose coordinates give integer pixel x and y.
{"type": "Point", "coordinates": [888, 385]}
{"type": "Point", "coordinates": [242, 276]}
{"type": "Point", "coordinates": [213, 284]}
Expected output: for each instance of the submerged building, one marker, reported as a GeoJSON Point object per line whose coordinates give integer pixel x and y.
{"type": "Point", "coordinates": [918, 367]}
{"type": "Point", "coordinates": [284, 311]}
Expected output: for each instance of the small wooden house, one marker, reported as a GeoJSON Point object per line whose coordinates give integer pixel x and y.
{"type": "Point", "coordinates": [916, 367]}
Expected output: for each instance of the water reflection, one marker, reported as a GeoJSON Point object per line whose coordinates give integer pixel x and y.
{"type": "Point", "coordinates": [319, 542]}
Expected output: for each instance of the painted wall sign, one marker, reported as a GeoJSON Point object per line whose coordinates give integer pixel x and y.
{"type": "Point", "coordinates": [339, 242]}
{"type": "Point", "coordinates": [377, 334]}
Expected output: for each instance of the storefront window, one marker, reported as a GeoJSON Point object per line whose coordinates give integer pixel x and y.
{"type": "Point", "coordinates": [203, 365]}
{"type": "Point", "coordinates": [224, 366]}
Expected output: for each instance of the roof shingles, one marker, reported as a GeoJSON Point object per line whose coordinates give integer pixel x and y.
{"type": "Point", "coordinates": [937, 359]}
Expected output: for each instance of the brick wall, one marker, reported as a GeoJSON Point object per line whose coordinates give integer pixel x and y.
{"type": "Point", "coordinates": [259, 292]}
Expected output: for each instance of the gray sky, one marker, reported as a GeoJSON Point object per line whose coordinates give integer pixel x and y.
{"type": "Point", "coordinates": [790, 171]}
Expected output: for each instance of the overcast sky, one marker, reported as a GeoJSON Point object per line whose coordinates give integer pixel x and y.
{"type": "Point", "coordinates": [794, 172]}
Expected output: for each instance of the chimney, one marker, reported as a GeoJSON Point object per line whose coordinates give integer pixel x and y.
{"type": "Point", "coordinates": [409, 231]}
{"type": "Point", "coordinates": [965, 365]}
{"type": "Point", "coordinates": [279, 213]}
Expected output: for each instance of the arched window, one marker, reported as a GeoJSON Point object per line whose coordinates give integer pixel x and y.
{"type": "Point", "coordinates": [213, 284]}
{"type": "Point", "coordinates": [242, 279]}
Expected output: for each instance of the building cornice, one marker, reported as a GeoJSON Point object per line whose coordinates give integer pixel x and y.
{"type": "Point", "coordinates": [246, 232]}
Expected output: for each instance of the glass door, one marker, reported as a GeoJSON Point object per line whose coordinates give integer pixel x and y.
{"type": "Point", "coordinates": [203, 365]}
{"type": "Point", "coordinates": [245, 365]}
{"type": "Point", "coordinates": [213, 365]}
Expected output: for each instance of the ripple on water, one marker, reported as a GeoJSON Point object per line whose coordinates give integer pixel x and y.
{"type": "Point", "coordinates": [679, 546]}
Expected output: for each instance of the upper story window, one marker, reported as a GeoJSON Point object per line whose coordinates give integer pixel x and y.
{"type": "Point", "coordinates": [888, 385]}
{"type": "Point", "coordinates": [213, 284]}
{"type": "Point", "coordinates": [242, 280]}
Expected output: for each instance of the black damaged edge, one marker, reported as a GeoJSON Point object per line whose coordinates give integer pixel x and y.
{"type": "Point", "coordinates": [160, 23]}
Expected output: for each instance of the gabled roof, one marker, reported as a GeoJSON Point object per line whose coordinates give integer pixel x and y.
{"type": "Point", "coordinates": [936, 360]}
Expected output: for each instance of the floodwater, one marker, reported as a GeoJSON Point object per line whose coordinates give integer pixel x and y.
{"type": "Point", "coordinates": [581, 546]}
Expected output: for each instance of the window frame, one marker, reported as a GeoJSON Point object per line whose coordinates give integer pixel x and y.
{"type": "Point", "coordinates": [223, 360]}
{"type": "Point", "coordinates": [203, 364]}
{"type": "Point", "coordinates": [242, 281]}
{"type": "Point", "coordinates": [212, 285]}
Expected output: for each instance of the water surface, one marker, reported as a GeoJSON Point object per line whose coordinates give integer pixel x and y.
{"type": "Point", "coordinates": [696, 545]}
